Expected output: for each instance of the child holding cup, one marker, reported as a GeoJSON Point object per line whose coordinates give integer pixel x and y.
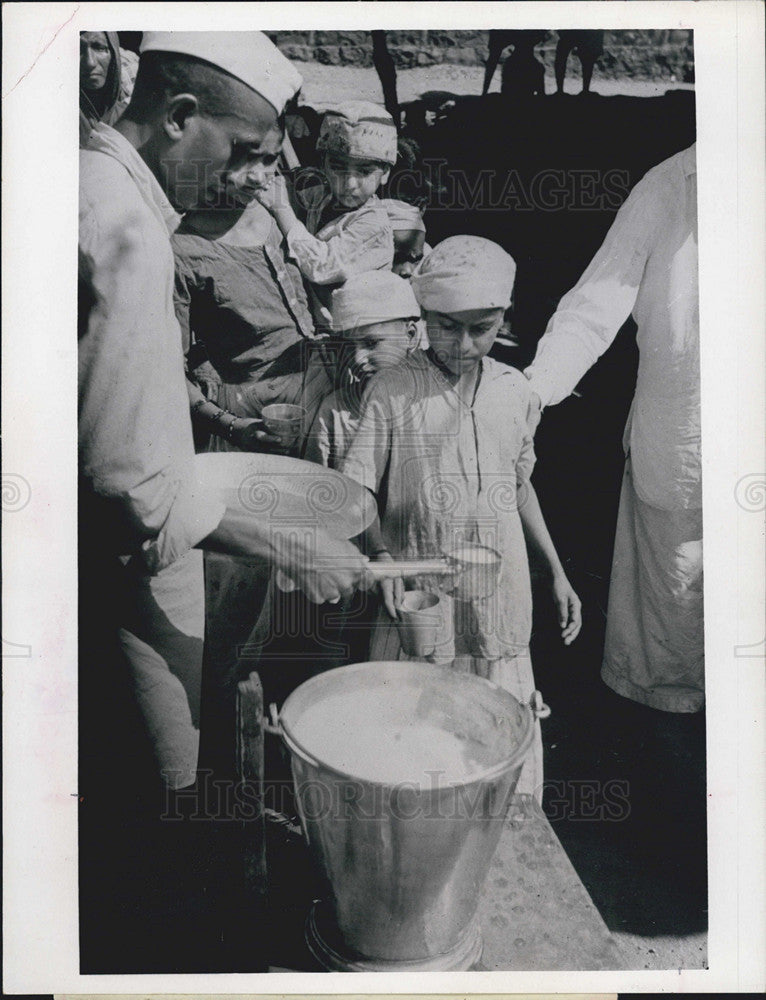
{"type": "Point", "coordinates": [444, 446]}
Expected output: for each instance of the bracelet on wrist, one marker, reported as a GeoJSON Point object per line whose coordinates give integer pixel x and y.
{"type": "Point", "coordinates": [228, 425]}
{"type": "Point", "coordinates": [379, 552]}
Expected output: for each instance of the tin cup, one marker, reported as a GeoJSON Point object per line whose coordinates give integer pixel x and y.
{"type": "Point", "coordinates": [284, 421]}
{"type": "Point", "coordinates": [419, 622]}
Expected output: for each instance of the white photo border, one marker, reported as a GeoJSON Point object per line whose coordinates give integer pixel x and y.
{"type": "Point", "coordinates": [40, 121]}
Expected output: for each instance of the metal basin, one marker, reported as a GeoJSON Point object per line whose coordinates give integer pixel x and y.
{"type": "Point", "coordinates": [404, 773]}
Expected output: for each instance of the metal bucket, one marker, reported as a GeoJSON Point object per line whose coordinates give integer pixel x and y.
{"type": "Point", "coordinates": [404, 773]}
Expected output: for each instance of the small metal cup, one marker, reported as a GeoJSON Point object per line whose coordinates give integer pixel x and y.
{"type": "Point", "coordinates": [419, 621]}
{"type": "Point", "coordinates": [284, 421]}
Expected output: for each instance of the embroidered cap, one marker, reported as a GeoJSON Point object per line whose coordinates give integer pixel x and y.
{"type": "Point", "coordinates": [359, 129]}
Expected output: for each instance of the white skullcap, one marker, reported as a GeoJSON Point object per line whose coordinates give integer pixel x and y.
{"type": "Point", "coordinates": [360, 129]}
{"type": "Point", "coordinates": [465, 272]}
{"type": "Point", "coordinates": [248, 55]}
{"type": "Point", "coordinates": [402, 215]}
{"type": "Point", "coordinates": [373, 297]}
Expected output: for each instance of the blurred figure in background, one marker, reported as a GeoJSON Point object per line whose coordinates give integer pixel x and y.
{"type": "Point", "coordinates": [524, 75]}
{"type": "Point", "coordinates": [523, 43]}
{"type": "Point", "coordinates": [107, 74]}
{"type": "Point", "coordinates": [384, 65]}
{"type": "Point", "coordinates": [588, 46]}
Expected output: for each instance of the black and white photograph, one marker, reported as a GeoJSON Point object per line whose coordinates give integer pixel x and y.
{"type": "Point", "coordinates": [387, 641]}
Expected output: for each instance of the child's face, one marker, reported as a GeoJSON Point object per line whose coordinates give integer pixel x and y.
{"type": "Point", "coordinates": [353, 181]}
{"type": "Point", "coordinates": [408, 251]}
{"type": "Point", "coordinates": [380, 345]}
{"type": "Point", "coordinates": [461, 339]}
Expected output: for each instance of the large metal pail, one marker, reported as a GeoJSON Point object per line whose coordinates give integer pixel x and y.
{"type": "Point", "coordinates": [404, 773]}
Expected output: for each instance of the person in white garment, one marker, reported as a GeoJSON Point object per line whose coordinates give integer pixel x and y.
{"type": "Point", "coordinates": [647, 268]}
{"type": "Point", "coordinates": [204, 115]}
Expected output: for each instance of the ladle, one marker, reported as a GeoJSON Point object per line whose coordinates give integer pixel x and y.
{"type": "Point", "coordinates": [476, 568]}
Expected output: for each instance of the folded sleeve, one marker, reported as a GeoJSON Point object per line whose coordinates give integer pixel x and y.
{"type": "Point", "coordinates": [135, 443]}
{"type": "Point", "coordinates": [364, 243]}
{"type": "Point", "coordinates": [590, 315]}
{"type": "Point", "coordinates": [195, 512]}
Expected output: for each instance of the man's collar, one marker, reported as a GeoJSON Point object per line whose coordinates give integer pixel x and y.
{"type": "Point", "coordinates": [105, 139]}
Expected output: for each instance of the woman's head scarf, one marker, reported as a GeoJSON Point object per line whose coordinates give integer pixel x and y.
{"type": "Point", "coordinates": [103, 109]}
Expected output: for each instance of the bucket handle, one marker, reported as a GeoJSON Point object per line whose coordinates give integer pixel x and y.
{"type": "Point", "coordinates": [270, 723]}
{"type": "Point", "coordinates": [274, 727]}
{"type": "Point", "coordinates": [539, 709]}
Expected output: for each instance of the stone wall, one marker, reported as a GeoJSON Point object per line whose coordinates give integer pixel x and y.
{"type": "Point", "coordinates": [641, 55]}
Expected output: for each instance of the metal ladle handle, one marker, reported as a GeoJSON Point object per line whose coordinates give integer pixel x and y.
{"type": "Point", "coordinates": [389, 570]}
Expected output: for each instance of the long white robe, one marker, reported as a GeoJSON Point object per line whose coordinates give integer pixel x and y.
{"type": "Point", "coordinates": [647, 267]}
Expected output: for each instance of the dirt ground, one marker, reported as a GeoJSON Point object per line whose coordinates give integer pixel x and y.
{"type": "Point", "coordinates": [325, 85]}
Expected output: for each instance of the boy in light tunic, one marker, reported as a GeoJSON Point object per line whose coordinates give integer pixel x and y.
{"type": "Point", "coordinates": [443, 444]}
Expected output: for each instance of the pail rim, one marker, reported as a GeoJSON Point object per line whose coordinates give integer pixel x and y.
{"type": "Point", "coordinates": [489, 774]}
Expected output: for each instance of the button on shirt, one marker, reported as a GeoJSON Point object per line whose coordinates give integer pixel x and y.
{"type": "Point", "coordinates": [647, 267]}
{"type": "Point", "coordinates": [135, 439]}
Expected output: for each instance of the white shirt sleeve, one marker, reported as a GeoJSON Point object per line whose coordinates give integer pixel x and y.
{"type": "Point", "coordinates": [135, 442]}
{"type": "Point", "coordinates": [590, 315]}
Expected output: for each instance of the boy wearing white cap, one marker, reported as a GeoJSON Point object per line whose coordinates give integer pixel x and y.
{"type": "Point", "coordinates": [349, 232]}
{"type": "Point", "coordinates": [409, 236]}
{"type": "Point", "coordinates": [443, 444]}
{"type": "Point", "coordinates": [375, 315]}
